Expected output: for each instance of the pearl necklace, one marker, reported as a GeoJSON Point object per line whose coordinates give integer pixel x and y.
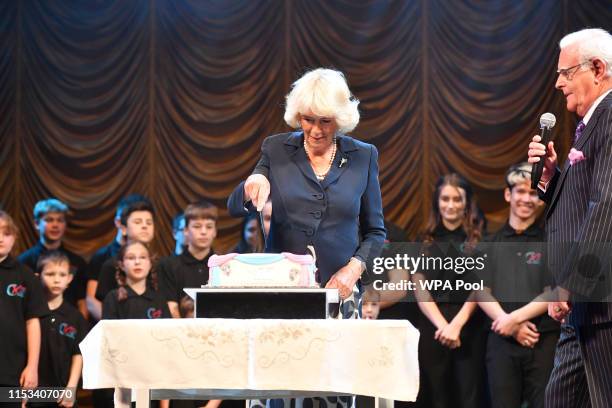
{"type": "Point", "coordinates": [321, 176]}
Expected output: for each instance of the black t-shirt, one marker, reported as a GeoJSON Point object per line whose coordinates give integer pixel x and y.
{"type": "Point", "coordinates": [150, 305]}
{"type": "Point", "coordinates": [61, 332]}
{"type": "Point", "coordinates": [21, 299]}
{"type": "Point", "coordinates": [447, 245]}
{"type": "Point", "coordinates": [442, 266]}
{"type": "Point", "coordinates": [98, 259]}
{"type": "Point", "coordinates": [181, 271]}
{"type": "Point", "coordinates": [516, 270]}
{"type": "Point", "coordinates": [107, 280]}
{"type": "Point", "coordinates": [78, 267]}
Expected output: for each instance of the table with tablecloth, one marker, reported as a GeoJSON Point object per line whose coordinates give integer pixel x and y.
{"type": "Point", "coordinates": [251, 357]}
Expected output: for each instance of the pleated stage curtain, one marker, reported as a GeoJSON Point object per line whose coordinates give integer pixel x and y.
{"type": "Point", "coordinates": [172, 98]}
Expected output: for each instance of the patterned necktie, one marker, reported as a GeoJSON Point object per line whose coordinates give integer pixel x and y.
{"type": "Point", "coordinates": [579, 130]}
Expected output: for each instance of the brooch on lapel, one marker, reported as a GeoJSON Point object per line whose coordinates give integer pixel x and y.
{"type": "Point", "coordinates": [575, 156]}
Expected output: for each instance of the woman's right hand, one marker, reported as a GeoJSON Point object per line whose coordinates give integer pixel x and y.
{"type": "Point", "coordinates": [257, 190]}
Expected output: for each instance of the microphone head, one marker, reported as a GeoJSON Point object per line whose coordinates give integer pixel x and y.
{"type": "Point", "coordinates": [547, 120]}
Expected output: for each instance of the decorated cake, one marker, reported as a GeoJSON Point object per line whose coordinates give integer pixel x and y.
{"type": "Point", "coordinates": [284, 270]}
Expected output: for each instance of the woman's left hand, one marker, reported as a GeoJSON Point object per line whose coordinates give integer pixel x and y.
{"type": "Point", "coordinates": [345, 279]}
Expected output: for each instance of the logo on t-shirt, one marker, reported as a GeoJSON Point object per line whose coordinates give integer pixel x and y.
{"type": "Point", "coordinates": [153, 313]}
{"type": "Point", "coordinates": [16, 290]}
{"type": "Point", "coordinates": [67, 330]}
{"type": "Point", "coordinates": [533, 258]}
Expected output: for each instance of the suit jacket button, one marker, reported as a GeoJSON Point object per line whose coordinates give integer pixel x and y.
{"type": "Point", "coordinates": [316, 214]}
{"type": "Point", "coordinates": [310, 232]}
{"type": "Point", "coordinates": [318, 196]}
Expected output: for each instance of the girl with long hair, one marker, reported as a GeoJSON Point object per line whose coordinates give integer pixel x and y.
{"type": "Point", "coordinates": [451, 349]}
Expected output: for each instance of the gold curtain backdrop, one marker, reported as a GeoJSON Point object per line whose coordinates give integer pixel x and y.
{"type": "Point", "coordinates": [172, 99]}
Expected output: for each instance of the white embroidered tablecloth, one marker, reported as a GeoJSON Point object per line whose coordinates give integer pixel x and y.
{"type": "Point", "coordinates": [365, 357]}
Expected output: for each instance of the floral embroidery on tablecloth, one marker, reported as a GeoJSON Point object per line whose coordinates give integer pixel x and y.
{"type": "Point", "coordinates": [202, 343]}
{"type": "Point", "coordinates": [288, 334]}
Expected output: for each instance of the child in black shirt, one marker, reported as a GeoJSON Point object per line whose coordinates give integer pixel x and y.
{"type": "Point", "coordinates": [521, 347]}
{"type": "Point", "coordinates": [136, 296]}
{"type": "Point", "coordinates": [50, 221]}
{"type": "Point", "coordinates": [62, 330]}
{"type": "Point", "coordinates": [137, 224]}
{"type": "Point", "coordinates": [102, 255]}
{"type": "Point", "coordinates": [21, 306]}
{"type": "Point", "coordinates": [190, 269]}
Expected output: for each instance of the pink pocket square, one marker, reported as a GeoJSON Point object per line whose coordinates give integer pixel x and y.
{"type": "Point", "coordinates": [575, 156]}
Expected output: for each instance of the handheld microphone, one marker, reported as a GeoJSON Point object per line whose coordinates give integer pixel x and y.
{"type": "Point", "coordinates": [547, 122]}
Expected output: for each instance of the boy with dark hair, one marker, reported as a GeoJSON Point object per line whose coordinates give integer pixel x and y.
{"type": "Point", "coordinates": [62, 329]}
{"type": "Point", "coordinates": [50, 223]}
{"type": "Point", "coordinates": [190, 269]}
{"type": "Point", "coordinates": [137, 224]}
{"type": "Point", "coordinates": [521, 349]}
{"type": "Point", "coordinates": [104, 253]}
{"type": "Point", "coordinates": [21, 307]}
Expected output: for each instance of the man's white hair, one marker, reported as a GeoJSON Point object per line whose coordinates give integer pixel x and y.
{"type": "Point", "coordinates": [592, 43]}
{"type": "Point", "coordinates": [324, 92]}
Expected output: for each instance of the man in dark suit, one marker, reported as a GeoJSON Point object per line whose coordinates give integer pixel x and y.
{"type": "Point", "coordinates": [579, 225]}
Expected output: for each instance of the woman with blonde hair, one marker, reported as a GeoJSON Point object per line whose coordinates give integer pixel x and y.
{"type": "Point", "coordinates": [323, 185]}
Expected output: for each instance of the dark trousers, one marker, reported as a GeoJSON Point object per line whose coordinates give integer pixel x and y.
{"type": "Point", "coordinates": [516, 373]}
{"type": "Point", "coordinates": [452, 378]}
{"type": "Point", "coordinates": [582, 375]}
